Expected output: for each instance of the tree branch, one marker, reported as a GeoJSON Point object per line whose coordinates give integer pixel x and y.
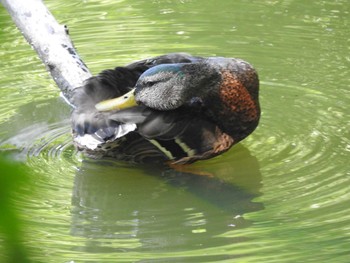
{"type": "Point", "coordinates": [51, 41]}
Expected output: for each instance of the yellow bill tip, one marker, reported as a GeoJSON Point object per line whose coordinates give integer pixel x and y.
{"type": "Point", "coordinates": [122, 102]}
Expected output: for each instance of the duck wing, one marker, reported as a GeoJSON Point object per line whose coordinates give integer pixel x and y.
{"type": "Point", "coordinates": [181, 136]}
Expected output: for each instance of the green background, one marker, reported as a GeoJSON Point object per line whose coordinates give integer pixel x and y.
{"type": "Point", "coordinates": [282, 195]}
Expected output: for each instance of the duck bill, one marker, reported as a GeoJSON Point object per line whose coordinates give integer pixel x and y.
{"type": "Point", "coordinates": [122, 102]}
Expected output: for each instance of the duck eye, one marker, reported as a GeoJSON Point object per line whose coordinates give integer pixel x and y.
{"type": "Point", "coordinates": [150, 83]}
{"type": "Point", "coordinates": [196, 102]}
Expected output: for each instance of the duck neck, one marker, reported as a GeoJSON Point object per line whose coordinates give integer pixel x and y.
{"type": "Point", "coordinates": [237, 110]}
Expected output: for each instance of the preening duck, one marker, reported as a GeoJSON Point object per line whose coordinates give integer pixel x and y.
{"type": "Point", "coordinates": [175, 107]}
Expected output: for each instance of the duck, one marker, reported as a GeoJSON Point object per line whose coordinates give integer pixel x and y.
{"type": "Point", "coordinates": [174, 108]}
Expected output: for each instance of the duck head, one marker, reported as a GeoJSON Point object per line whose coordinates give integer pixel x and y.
{"type": "Point", "coordinates": [225, 91]}
{"type": "Point", "coordinates": [169, 87]}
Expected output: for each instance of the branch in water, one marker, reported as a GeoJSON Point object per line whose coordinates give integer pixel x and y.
{"type": "Point", "coordinates": [51, 41]}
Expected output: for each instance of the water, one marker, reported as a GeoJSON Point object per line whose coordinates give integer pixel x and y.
{"type": "Point", "coordinates": [282, 195]}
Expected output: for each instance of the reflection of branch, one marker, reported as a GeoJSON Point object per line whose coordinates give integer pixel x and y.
{"type": "Point", "coordinates": [51, 41]}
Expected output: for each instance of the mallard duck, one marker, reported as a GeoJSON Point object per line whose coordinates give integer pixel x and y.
{"type": "Point", "coordinates": [176, 107]}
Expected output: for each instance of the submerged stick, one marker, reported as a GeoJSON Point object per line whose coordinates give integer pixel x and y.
{"type": "Point", "coordinates": [51, 41]}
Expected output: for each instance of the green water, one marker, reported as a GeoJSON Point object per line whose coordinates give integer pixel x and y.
{"type": "Point", "coordinates": [282, 195]}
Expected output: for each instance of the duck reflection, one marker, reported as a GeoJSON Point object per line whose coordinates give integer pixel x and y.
{"type": "Point", "coordinates": [161, 208]}
{"type": "Point", "coordinates": [119, 206]}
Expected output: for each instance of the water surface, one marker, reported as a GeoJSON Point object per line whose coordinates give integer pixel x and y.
{"type": "Point", "coordinates": [281, 195]}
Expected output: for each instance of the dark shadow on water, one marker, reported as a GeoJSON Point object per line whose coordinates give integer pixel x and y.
{"type": "Point", "coordinates": [34, 126]}
{"type": "Point", "coordinates": [120, 208]}
{"type": "Point", "coordinates": [37, 112]}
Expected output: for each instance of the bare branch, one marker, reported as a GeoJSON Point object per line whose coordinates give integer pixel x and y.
{"type": "Point", "coordinates": [51, 41]}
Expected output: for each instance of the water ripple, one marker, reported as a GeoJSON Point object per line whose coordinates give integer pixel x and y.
{"type": "Point", "coordinates": [47, 140]}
